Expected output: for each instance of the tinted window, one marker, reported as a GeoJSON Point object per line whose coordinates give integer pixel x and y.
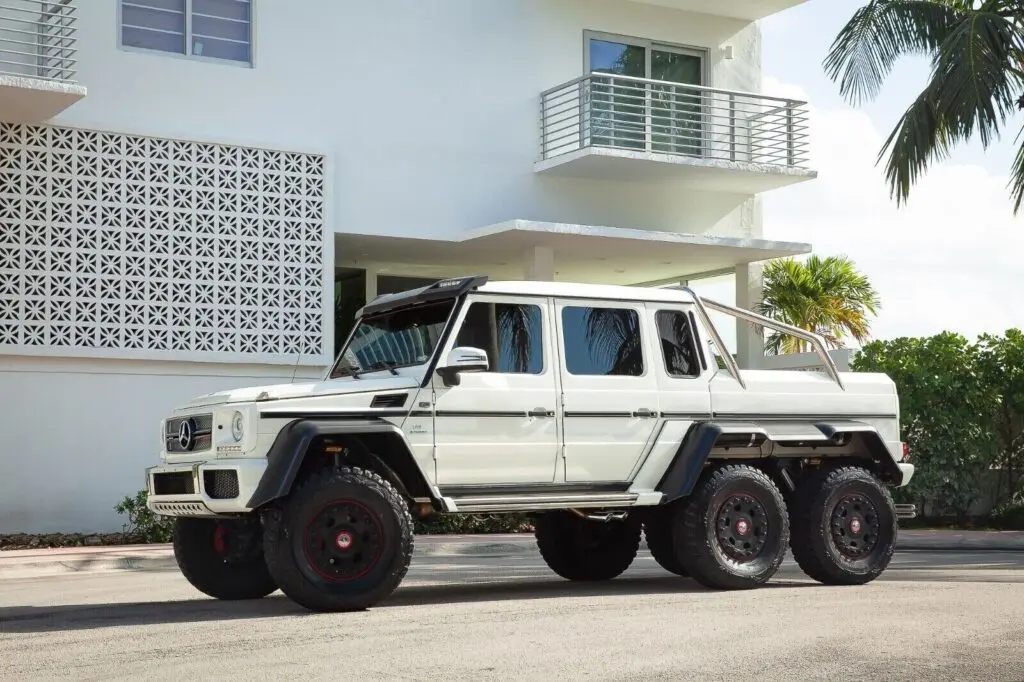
{"type": "Point", "coordinates": [512, 335]}
{"type": "Point", "coordinates": [677, 343]}
{"type": "Point", "coordinates": [396, 339]}
{"type": "Point", "coordinates": [602, 341]}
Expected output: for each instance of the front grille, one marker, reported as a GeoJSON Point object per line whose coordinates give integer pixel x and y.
{"type": "Point", "coordinates": [174, 483]}
{"type": "Point", "coordinates": [197, 437]}
{"type": "Point", "coordinates": [221, 484]}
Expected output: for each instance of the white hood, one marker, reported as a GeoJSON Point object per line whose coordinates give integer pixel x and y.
{"type": "Point", "coordinates": [304, 390]}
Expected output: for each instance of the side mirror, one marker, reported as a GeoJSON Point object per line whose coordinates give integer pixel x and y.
{"type": "Point", "coordinates": [463, 359]}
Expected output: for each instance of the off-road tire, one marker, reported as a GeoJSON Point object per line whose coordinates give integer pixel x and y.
{"type": "Point", "coordinates": [658, 533]}
{"type": "Point", "coordinates": [347, 505]}
{"type": "Point", "coordinates": [205, 557]}
{"type": "Point", "coordinates": [710, 538]}
{"type": "Point", "coordinates": [817, 549]}
{"type": "Point", "coordinates": [579, 549]}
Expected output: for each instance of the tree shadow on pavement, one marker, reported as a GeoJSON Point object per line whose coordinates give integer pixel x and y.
{"type": "Point", "coordinates": [66, 617]}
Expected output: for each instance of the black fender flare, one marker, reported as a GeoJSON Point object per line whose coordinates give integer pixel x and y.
{"type": "Point", "coordinates": [682, 474]}
{"type": "Point", "coordinates": [888, 468]}
{"type": "Point", "coordinates": [684, 471]}
{"type": "Point", "coordinates": [288, 452]}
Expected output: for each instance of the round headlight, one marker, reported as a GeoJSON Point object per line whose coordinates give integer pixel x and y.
{"type": "Point", "coordinates": [237, 426]}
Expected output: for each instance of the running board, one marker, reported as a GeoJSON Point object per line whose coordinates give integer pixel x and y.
{"type": "Point", "coordinates": [494, 503]}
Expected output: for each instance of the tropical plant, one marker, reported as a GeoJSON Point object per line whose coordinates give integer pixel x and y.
{"type": "Point", "coordinates": [976, 49]}
{"type": "Point", "coordinates": [827, 296]}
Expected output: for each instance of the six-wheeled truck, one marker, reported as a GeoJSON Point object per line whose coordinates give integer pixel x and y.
{"type": "Point", "coordinates": [607, 413]}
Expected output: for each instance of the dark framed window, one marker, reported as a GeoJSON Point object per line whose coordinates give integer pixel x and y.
{"type": "Point", "coordinates": [678, 343]}
{"type": "Point", "coordinates": [512, 334]}
{"type": "Point", "coordinates": [602, 341]}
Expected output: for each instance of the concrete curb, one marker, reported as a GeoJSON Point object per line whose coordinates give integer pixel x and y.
{"type": "Point", "coordinates": [48, 562]}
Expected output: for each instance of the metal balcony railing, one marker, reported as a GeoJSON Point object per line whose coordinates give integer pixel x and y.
{"type": "Point", "coordinates": [37, 39]}
{"type": "Point", "coordinates": [639, 114]}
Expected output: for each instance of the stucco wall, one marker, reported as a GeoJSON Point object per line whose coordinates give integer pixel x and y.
{"type": "Point", "coordinates": [428, 111]}
{"type": "Point", "coordinates": [78, 434]}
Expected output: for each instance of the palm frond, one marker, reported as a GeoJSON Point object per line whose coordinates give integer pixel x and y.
{"type": "Point", "coordinates": [881, 32]}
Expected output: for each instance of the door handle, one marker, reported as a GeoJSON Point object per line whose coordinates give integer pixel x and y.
{"type": "Point", "coordinates": [644, 412]}
{"type": "Point", "coordinates": [539, 412]}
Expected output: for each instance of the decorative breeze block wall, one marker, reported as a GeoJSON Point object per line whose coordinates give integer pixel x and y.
{"type": "Point", "coordinates": [147, 247]}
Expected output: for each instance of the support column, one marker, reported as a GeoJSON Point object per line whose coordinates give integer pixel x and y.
{"type": "Point", "coordinates": [749, 342]}
{"type": "Point", "coordinates": [371, 284]}
{"type": "Point", "coordinates": [540, 264]}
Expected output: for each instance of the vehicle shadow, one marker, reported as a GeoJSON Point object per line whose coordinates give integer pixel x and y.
{"type": "Point", "coordinates": [65, 617]}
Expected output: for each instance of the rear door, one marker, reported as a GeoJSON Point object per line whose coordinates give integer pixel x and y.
{"type": "Point", "coordinates": [609, 388]}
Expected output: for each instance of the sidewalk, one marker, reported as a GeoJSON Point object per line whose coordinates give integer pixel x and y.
{"type": "Point", "coordinates": [48, 562]}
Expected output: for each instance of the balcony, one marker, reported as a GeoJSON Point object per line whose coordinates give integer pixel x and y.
{"type": "Point", "coordinates": [37, 59]}
{"type": "Point", "coordinates": [605, 126]}
{"type": "Point", "coordinates": [750, 10]}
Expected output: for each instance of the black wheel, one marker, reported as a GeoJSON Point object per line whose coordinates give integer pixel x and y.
{"type": "Point", "coordinates": [579, 549]}
{"type": "Point", "coordinates": [732, 532]}
{"type": "Point", "coordinates": [844, 526]}
{"type": "Point", "coordinates": [342, 540]}
{"type": "Point", "coordinates": [222, 558]}
{"type": "Point", "coordinates": [658, 532]}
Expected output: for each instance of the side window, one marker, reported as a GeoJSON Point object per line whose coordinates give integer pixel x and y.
{"type": "Point", "coordinates": [510, 333]}
{"type": "Point", "coordinates": [678, 346]}
{"type": "Point", "coordinates": [602, 341]}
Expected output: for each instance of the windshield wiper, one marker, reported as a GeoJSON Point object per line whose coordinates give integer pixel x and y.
{"type": "Point", "coordinates": [384, 364]}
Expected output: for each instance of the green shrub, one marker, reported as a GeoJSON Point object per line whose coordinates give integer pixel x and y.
{"type": "Point", "coordinates": [1008, 516]}
{"type": "Point", "coordinates": [143, 525]}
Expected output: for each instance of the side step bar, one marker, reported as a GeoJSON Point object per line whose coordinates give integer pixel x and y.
{"type": "Point", "coordinates": [906, 511]}
{"type": "Point", "coordinates": [494, 503]}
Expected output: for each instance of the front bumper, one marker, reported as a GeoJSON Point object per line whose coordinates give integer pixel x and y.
{"type": "Point", "coordinates": [210, 488]}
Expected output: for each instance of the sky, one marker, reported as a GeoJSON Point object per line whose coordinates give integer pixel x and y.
{"type": "Point", "coordinates": [950, 259]}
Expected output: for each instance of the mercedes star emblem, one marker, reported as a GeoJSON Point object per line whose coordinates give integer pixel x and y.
{"type": "Point", "coordinates": [185, 435]}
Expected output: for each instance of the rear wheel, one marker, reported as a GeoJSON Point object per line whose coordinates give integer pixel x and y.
{"type": "Point", "coordinates": [844, 526]}
{"type": "Point", "coordinates": [733, 531]}
{"type": "Point", "coordinates": [580, 549]}
{"type": "Point", "coordinates": [222, 557]}
{"type": "Point", "coordinates": [658, 532]}
{"type": "Point", "coordinates": [342, 540]}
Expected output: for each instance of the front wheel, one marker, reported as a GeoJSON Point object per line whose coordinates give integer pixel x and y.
{"type": "Point", "coordinates": [732, 532]}
{"type": "Point", "coordinates": [342, 540]}
{"type": "Point", "coordinates": [844, 526]}
{"type": "Point", "coordinates": [222, 558]}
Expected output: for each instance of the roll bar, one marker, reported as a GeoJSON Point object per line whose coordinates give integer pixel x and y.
{"type": "Point", "coordinates": [816, 341]}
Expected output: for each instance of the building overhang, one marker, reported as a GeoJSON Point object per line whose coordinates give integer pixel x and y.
{"type": "Point", "coordinates": [712, 175]}
{"type": "Point", "coordinates": [35, 100]}
{"type": "Point", "coordinates": [751, 10]}
{"type": "Point", "coordinates": [582, 253]}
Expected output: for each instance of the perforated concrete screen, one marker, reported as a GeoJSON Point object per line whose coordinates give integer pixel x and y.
{"type": "Point", "coordinates": [158, 247]}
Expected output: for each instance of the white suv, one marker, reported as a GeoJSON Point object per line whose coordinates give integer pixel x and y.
{"type": "Point", "coordinates": [603, 411]}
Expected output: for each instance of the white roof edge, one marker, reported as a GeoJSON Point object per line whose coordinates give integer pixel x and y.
{"type": "Point", "coordinates": [620, 292]}
{"type": "Point", "coordinates": [632, 234]}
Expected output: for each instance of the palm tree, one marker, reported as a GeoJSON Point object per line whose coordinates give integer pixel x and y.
{"type": "Point", "coordinates": [977, 78]}
{"type": "Point", "coordinates": [827, 296]}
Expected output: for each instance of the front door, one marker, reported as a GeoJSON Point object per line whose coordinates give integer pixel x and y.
{"type": "Point", "coordinates": [499, 427]}
{"type": "Point", "coordinates": [609, 388]}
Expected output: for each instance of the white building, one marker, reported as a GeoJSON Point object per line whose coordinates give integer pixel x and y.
{"type": "Point", "coordinates": [188, 187]}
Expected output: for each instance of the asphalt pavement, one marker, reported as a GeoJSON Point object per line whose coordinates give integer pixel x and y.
{"type": "Point", "coordinates": [485, 615]}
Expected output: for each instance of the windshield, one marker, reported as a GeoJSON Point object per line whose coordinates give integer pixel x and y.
{"type": "Point", "coordinates": [401, 338]}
